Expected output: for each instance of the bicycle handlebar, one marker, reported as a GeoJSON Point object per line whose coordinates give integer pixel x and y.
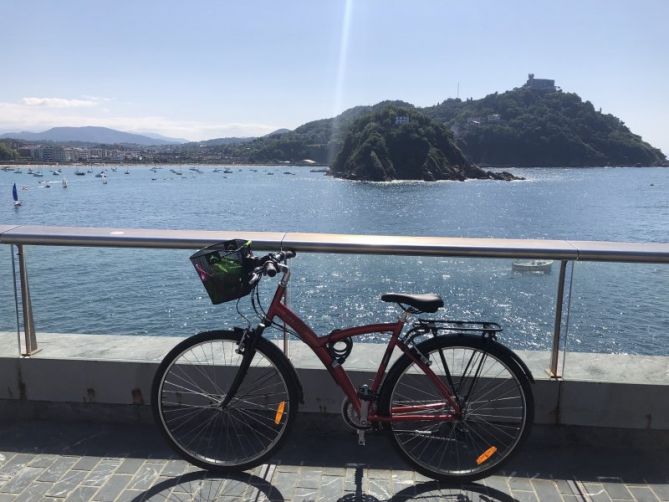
{"type": "Point", "coordinates": [269, 265]}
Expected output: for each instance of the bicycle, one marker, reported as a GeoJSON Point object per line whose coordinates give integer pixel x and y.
{"type": "Point", "coordinates": [456, 403]}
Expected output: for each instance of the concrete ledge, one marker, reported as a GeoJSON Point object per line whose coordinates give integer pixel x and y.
{"type": "Point", "coordinates": [108, 378]}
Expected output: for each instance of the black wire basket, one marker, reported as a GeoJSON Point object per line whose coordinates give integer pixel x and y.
{"type": "Point", "coordinates": [225, 269]}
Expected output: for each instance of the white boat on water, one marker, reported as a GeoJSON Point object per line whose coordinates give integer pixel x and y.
{"type": "Point", "coordinates": [543, 266]}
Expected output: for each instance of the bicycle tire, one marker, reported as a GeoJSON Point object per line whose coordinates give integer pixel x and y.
{"type": "Point", "coordinates": [498, 408]}
{"type": "Point", "coordinates": [192, 380]}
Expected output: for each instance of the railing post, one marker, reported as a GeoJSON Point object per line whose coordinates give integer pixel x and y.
{"type": "Point", "coordinates": [557, 327]}
{"type": "Point", "coordinates": [28, 322]}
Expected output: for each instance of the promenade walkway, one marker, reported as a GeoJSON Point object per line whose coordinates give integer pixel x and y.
{"type": "Point", "coordinates": [52, 461]}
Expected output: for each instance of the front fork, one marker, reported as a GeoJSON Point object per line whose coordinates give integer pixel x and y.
{"type": "Point", "coordinates": [247, 348]}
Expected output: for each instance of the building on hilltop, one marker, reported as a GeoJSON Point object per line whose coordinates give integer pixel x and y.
{"type": "Point", "coordinates": [540, 84]}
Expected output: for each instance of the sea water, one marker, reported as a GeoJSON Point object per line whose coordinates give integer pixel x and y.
{"type": "Point", "coordinates": [614, 307]}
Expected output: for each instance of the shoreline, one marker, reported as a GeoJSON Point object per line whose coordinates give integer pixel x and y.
{"type": "Point", "coordinates": [23, 163]}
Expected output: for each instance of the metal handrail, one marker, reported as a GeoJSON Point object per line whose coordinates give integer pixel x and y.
{"type": "Point", "coordinates": [562, 250]}
{"type": "Point", "coordinates": [641, 252]}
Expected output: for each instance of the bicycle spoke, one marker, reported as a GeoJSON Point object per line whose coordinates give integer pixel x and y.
{"type": "Point", "coordinates": [196, 383]}
{"type": "Point", "coordinates": [492, 419]}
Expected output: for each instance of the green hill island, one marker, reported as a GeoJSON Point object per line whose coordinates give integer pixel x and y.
{"type": "Point", "coordinates": [398, 142]}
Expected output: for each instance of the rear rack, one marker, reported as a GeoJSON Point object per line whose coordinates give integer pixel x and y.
{"type": "Point", "coordinates": [484, 327]}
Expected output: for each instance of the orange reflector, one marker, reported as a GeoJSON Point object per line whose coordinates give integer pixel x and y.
{"type": "Point", "coordinates": [279, 412]}
{"type": "Point", "coordinates": [486, 455]}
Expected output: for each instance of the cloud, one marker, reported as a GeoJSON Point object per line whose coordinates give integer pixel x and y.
{"type": "Point", "coordinates": [39, 114]}
{"type": "Point", "coordinates": [61, 102]}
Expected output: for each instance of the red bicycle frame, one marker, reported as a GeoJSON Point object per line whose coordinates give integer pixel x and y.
{"type": "Point", "coordinates": [318, 345]}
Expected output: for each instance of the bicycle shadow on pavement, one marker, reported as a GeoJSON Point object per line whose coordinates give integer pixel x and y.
{"type": "Point", "coordinates": [203, 486]}
{"type": "Point", "coordinates": [429, 490]}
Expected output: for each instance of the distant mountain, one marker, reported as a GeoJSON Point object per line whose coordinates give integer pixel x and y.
{"type": "Point", "coordinates": [173, 141]}
{"type": "Point", "coordinates": [277, 132]}
{"type": "Point", "coordinates": [88, 134]}
{"type": "Point", "coordinates": [223, 141]}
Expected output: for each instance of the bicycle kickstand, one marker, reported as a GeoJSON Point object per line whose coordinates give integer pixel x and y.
{"type": "Point", "coordinates": [361, 437]}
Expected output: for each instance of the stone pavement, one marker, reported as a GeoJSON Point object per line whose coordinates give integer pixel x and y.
{"type": "Point", "coordinates": [56, 461]}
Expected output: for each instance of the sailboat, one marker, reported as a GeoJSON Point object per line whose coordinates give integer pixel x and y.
{"type": "Point", "coordinates": [64, 182]}
{"type": "Point", "coordinates": [15, 195]}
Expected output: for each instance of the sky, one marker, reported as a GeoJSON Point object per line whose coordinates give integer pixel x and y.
{"type": "Point", "coordinates": [207, 69]}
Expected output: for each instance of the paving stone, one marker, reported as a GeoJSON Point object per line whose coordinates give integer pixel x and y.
{"type": "Point", "coordinates": [497, 483]}
{"type": "Point", "coordinates": [331, 488]}
{"type": "Point", "coordinates": [102, 472]}
{"type": "Point", "coordinates": [661, 490]}
{"type": "Point", "coordinates": [145, 476]}
{"type": "Point", "coordinates": [132, 495]}
{"type": "Point", "coordinates": [13, 465]}
{"type": "Point", "coordinates": [305, 494]}
{"type": "Point", "coordinates": [56, 470]}
{"type": "Point", "coordinates": [42, 461]}
{"type": "Point", "coordinates": [21, 480]}
{"type": "Point", "coordinates": [67, 483]}
{"type": "Point", "coordinates": [130, 466]}
{"type": "Point", "coordinates": [309, 479]}
{"type": "Point", "coordinates": [34, 492]}
{"type": "Point", "coordinates": [546, 490]}
{"type": "Point", "coordinates": [643, 494]}
{"type": "Point", "coordinates": [82, 494]}
{"type": "Point", "coordinates": [522, 496]}
{"type": "Point", "coordinates": [172, 468]}
{"type": "Point", "coordinates": [86, 463]}
{"type": "Point", "coordinates": [379, 488]}
{"type": "Point", "coordinates": [113, 487]}
{"type": "Point", "coordinates": [6, 497]}
{"type": "Point", "coordinates": [522, 484]}
{"type": "Point", "coordinates": [616, 489]}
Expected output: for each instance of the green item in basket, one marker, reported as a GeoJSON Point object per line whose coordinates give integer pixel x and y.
{"type": "Point", "coordinates": [225, 267]}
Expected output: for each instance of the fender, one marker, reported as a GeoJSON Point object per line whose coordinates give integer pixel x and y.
{"type": "Point", "coordinates": [516, 358]}
{"type": "Point", "coordinates": [502, 348]}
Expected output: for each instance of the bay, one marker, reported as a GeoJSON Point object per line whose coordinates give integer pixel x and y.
{"type": "Point", "coordinates": [614, 307]}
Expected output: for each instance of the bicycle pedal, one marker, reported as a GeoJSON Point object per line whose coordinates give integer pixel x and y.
{"type": "Point", "coordinates": [361, 438]}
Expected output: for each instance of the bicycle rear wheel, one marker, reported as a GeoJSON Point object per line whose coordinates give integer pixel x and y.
{"type": "Point", "coordinates": [190, 385]}
{"type": "Point", "coordinates": [494, 395]}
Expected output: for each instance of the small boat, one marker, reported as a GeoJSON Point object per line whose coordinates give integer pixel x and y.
{"type": "Point", "coordinates": [79, 172]}
{"type": "Point", "coordinates": [104, 179]}
{"type": "Point", "coordinates": [543, 266]}
{"type": "Point", "coordinates": [64, 182]}
{"type": "Point", "coordinates": [15, 196]}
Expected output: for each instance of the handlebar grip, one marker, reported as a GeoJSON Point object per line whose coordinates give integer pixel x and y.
{"type": "Point", "coordinates": [270, 269]}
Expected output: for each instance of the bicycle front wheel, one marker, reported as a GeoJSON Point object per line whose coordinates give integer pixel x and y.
{"type": "Point", "coordinates": [494, 394]}
{"type": "Point", "coordinates": [190, 386]}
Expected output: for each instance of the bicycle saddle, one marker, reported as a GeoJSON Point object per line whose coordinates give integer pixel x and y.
{"type": "Point", "coordinates": [429, 303]}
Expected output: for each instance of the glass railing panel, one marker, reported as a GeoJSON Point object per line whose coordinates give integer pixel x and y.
{"type": "Point", "coordinates": [619, 323]}
{"type": "Point", "coordinates": [7, 299]}
{"type": "Point", "coordinates": [154, 292]}
{"type": "Point", "coordinates": [333, 291]}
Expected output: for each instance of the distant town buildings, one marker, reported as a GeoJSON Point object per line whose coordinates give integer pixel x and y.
{"type": "Point", "coordinates": [401, 119]}
{"type": "Point", "coordinates": [56, 153]}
